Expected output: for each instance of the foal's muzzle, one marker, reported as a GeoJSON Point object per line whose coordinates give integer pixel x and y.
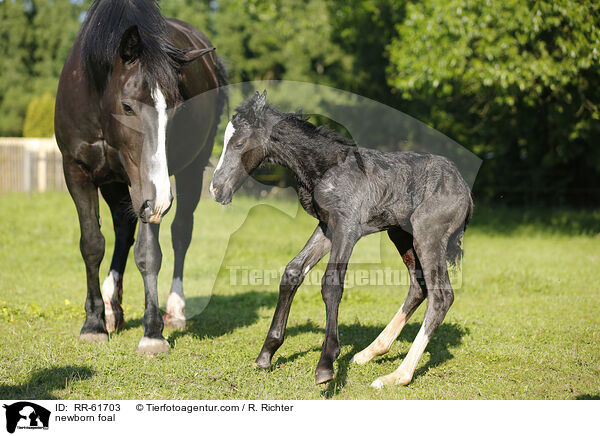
{"type": "Point", "coordinates": [221, 194]}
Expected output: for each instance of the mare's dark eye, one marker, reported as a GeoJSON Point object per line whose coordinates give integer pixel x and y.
{"type": "Point", "coordinates": [128, 109]}
{"type": "Point", "coordinates": [239, 145]}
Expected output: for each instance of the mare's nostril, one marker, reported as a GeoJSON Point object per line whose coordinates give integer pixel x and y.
{"type": "Point", "coordinates": [146, 211]}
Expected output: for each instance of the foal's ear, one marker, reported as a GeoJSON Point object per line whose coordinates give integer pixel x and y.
{"type": "Point", "coordinates": [192, 55]}
{"type": "Point", "coordinates": [131, 44]}
{"type": "Point", "coordinates": [260, 101]}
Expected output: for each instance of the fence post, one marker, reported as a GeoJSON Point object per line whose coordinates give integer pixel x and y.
{"type": "Point", "coordinates": [26, 169]}
{"type": "Point", "coordinates": [41, 168]}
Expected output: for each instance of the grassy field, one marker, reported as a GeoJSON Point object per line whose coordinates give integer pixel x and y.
{"type": "Point", "coordinates": [525, 322]}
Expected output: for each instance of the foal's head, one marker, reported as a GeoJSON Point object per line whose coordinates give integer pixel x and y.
{"type": "Point", "coordinates": [244, 148]}
{"type": "Point", "coordinates": [143, 83]}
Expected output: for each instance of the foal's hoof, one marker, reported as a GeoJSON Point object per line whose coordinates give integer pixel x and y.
{"type": "Point", "coordinates": [323, 375]}
{"type": "Point", "coordinates": [361, 358]}
{"type": "Point", "coordinates": [93, 337]}
{"type": "Point", "coordinates": [395, 378]}
{"type": "Point", "coordinates": [262, 363]}
{"type": "Point", "coordinates": [153, 346]}
{"type": "Point", "coordinates": [113, 315]}
{"type": "Point", "coordinates": [172, 322]}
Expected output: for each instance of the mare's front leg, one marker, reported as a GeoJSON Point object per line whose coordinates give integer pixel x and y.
{"type": "Point", "coordinates": [91, 243]}
{"type": "Point", "coordinates": [343, 240]}
{"type": "Point", "coordinates": [148, 258]}
{"type": "Point", "coordinates": [124, 222]}
{"type": "Point", "coordinates": [188, 189]}
{"type": "Point", "coordinates": [317, 246]}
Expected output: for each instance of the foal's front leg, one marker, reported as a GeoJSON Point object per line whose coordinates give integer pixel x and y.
{"type": "Point", "coordinates": [317, 246]}
{"type": "Point", "coordinates": [148, 258]}
{"type": "Point", "coordinates": [343, 242]}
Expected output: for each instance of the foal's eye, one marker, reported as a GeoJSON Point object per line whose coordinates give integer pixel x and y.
{"type": "Point", "coordinates": [239, 145]}
{"type": "Point", "coordinates": [128, 109]}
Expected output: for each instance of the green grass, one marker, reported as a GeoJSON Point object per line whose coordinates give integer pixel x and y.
{"type": "Point", "coordinates": [525, 322]}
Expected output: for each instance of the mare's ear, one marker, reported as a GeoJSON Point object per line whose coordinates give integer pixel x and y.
{"type": "Point", "coordinates": [192, 55]}
{"type": "Point", "coordinates": [130, 46]}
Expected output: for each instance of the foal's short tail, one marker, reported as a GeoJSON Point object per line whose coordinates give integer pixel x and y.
{"type": "Point", "coordinates": [454, 251]}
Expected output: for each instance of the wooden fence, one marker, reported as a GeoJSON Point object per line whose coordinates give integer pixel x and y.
{"type": "Point", "coordinates": [30, 164]}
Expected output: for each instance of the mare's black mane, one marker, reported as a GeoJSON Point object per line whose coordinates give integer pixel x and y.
{"type": "Point", "coordinates": [101, 32]}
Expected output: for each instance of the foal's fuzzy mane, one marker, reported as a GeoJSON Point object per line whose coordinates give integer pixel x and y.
{"type": "Point", "coordinates": [271, 115]}
{"type": "Point", "coordinates": [101, 32]}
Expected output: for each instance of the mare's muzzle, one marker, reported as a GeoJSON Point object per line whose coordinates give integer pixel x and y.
{"type": "Point", "coordinates": [149, 214]}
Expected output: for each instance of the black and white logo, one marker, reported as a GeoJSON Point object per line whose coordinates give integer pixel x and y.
{"type": "Point", "coordinates": [26, 415]}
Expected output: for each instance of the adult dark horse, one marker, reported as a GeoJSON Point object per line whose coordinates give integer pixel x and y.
{"type": "Point", "coordinates": [127, 67]}
{"type": "Point", "coordinates": [420, 199]}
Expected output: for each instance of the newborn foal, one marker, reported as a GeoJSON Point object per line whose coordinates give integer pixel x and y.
{"type": "Point", "coordinates": [420, 199]}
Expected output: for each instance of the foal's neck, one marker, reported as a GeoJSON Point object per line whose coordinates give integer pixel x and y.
{"type": "Point", "coordinates": [308, 154]}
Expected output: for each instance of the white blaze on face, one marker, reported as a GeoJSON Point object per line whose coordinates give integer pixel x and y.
{"type": "Point", "coordinates": [229, 131]}
{"type": "Point", "coordinates": [159, 172]}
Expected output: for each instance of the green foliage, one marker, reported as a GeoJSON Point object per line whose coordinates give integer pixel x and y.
{"type": "Point", "coordinates": [363, 29]}
{"type": "Point", "coordinates": [39, 121]}
{"type": "Point", "coordinates": [35, 38]}
{"type": "Point", "coordinates": [194, 12]}
{"type": "Point", "coordinates": [285, 39]}
{"type": "Point", "coordinates": [516, 81]}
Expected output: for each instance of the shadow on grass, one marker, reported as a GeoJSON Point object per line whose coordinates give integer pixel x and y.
{"type": "Point", "coordinates": [42, 382]}
{"type": "Point", "coordinates": [226, 313]}
{"type": "Point", "coordinates": [588, 397]}
{"type": "Point", "coordinates": [447, 335]}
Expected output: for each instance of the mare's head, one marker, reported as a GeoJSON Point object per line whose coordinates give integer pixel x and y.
{"type": "Point", "coordinates": [139, 89]}
{"type": "Point", "coordinates": [244, 147]}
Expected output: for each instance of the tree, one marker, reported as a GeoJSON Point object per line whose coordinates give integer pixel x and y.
{"type": "Point", "coordinates": [283, 39]}
{"type": "Point", "coordinates": [35, 37]}
{"type": "Point", "coordinates": [518, 82]}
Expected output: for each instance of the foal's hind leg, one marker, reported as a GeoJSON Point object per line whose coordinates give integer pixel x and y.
{"type": "Point", "coordinates": [317, 246]}
{"type": "Point", "coordinates": [124, 222]}
{"type": "Point", "coordinates": [416, 294]}
{"type": "Point", "coordinates": [431, 235]}
{"type": "Point", "coordinates": [189, 187]}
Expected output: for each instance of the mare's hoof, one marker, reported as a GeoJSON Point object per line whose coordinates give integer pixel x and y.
{"type": "Point", "coordinates": [93, 337]}
{"type": "Point", "coordinates": [113, 315]}
{"type": "Point", "coordinates": [153, 346]}
{"type": "Point", "coordinates": [173, 322]}
{"type": "Point", "coordinates": [323, 375]}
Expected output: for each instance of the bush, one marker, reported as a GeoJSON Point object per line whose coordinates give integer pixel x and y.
{"type": "Point", "coordinates": [39, 120]}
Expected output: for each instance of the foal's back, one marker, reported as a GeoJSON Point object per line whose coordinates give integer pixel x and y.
{"type": "Point", "coordinates": [383, 189]}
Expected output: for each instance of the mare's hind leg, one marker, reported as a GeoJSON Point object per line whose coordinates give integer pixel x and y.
{"type": "Point", "coordinates": [124, 222]}
{"type": "Point", "coordinates": [189, 187]}
{"type": "Point", "coordinates": [416, 294]}
{"type": "Point", "coordinates": [317, 246]}
{"type": "Point", "coordinates": [85, 196]}
{"type": "Point", "coordinates": [432, 226]}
